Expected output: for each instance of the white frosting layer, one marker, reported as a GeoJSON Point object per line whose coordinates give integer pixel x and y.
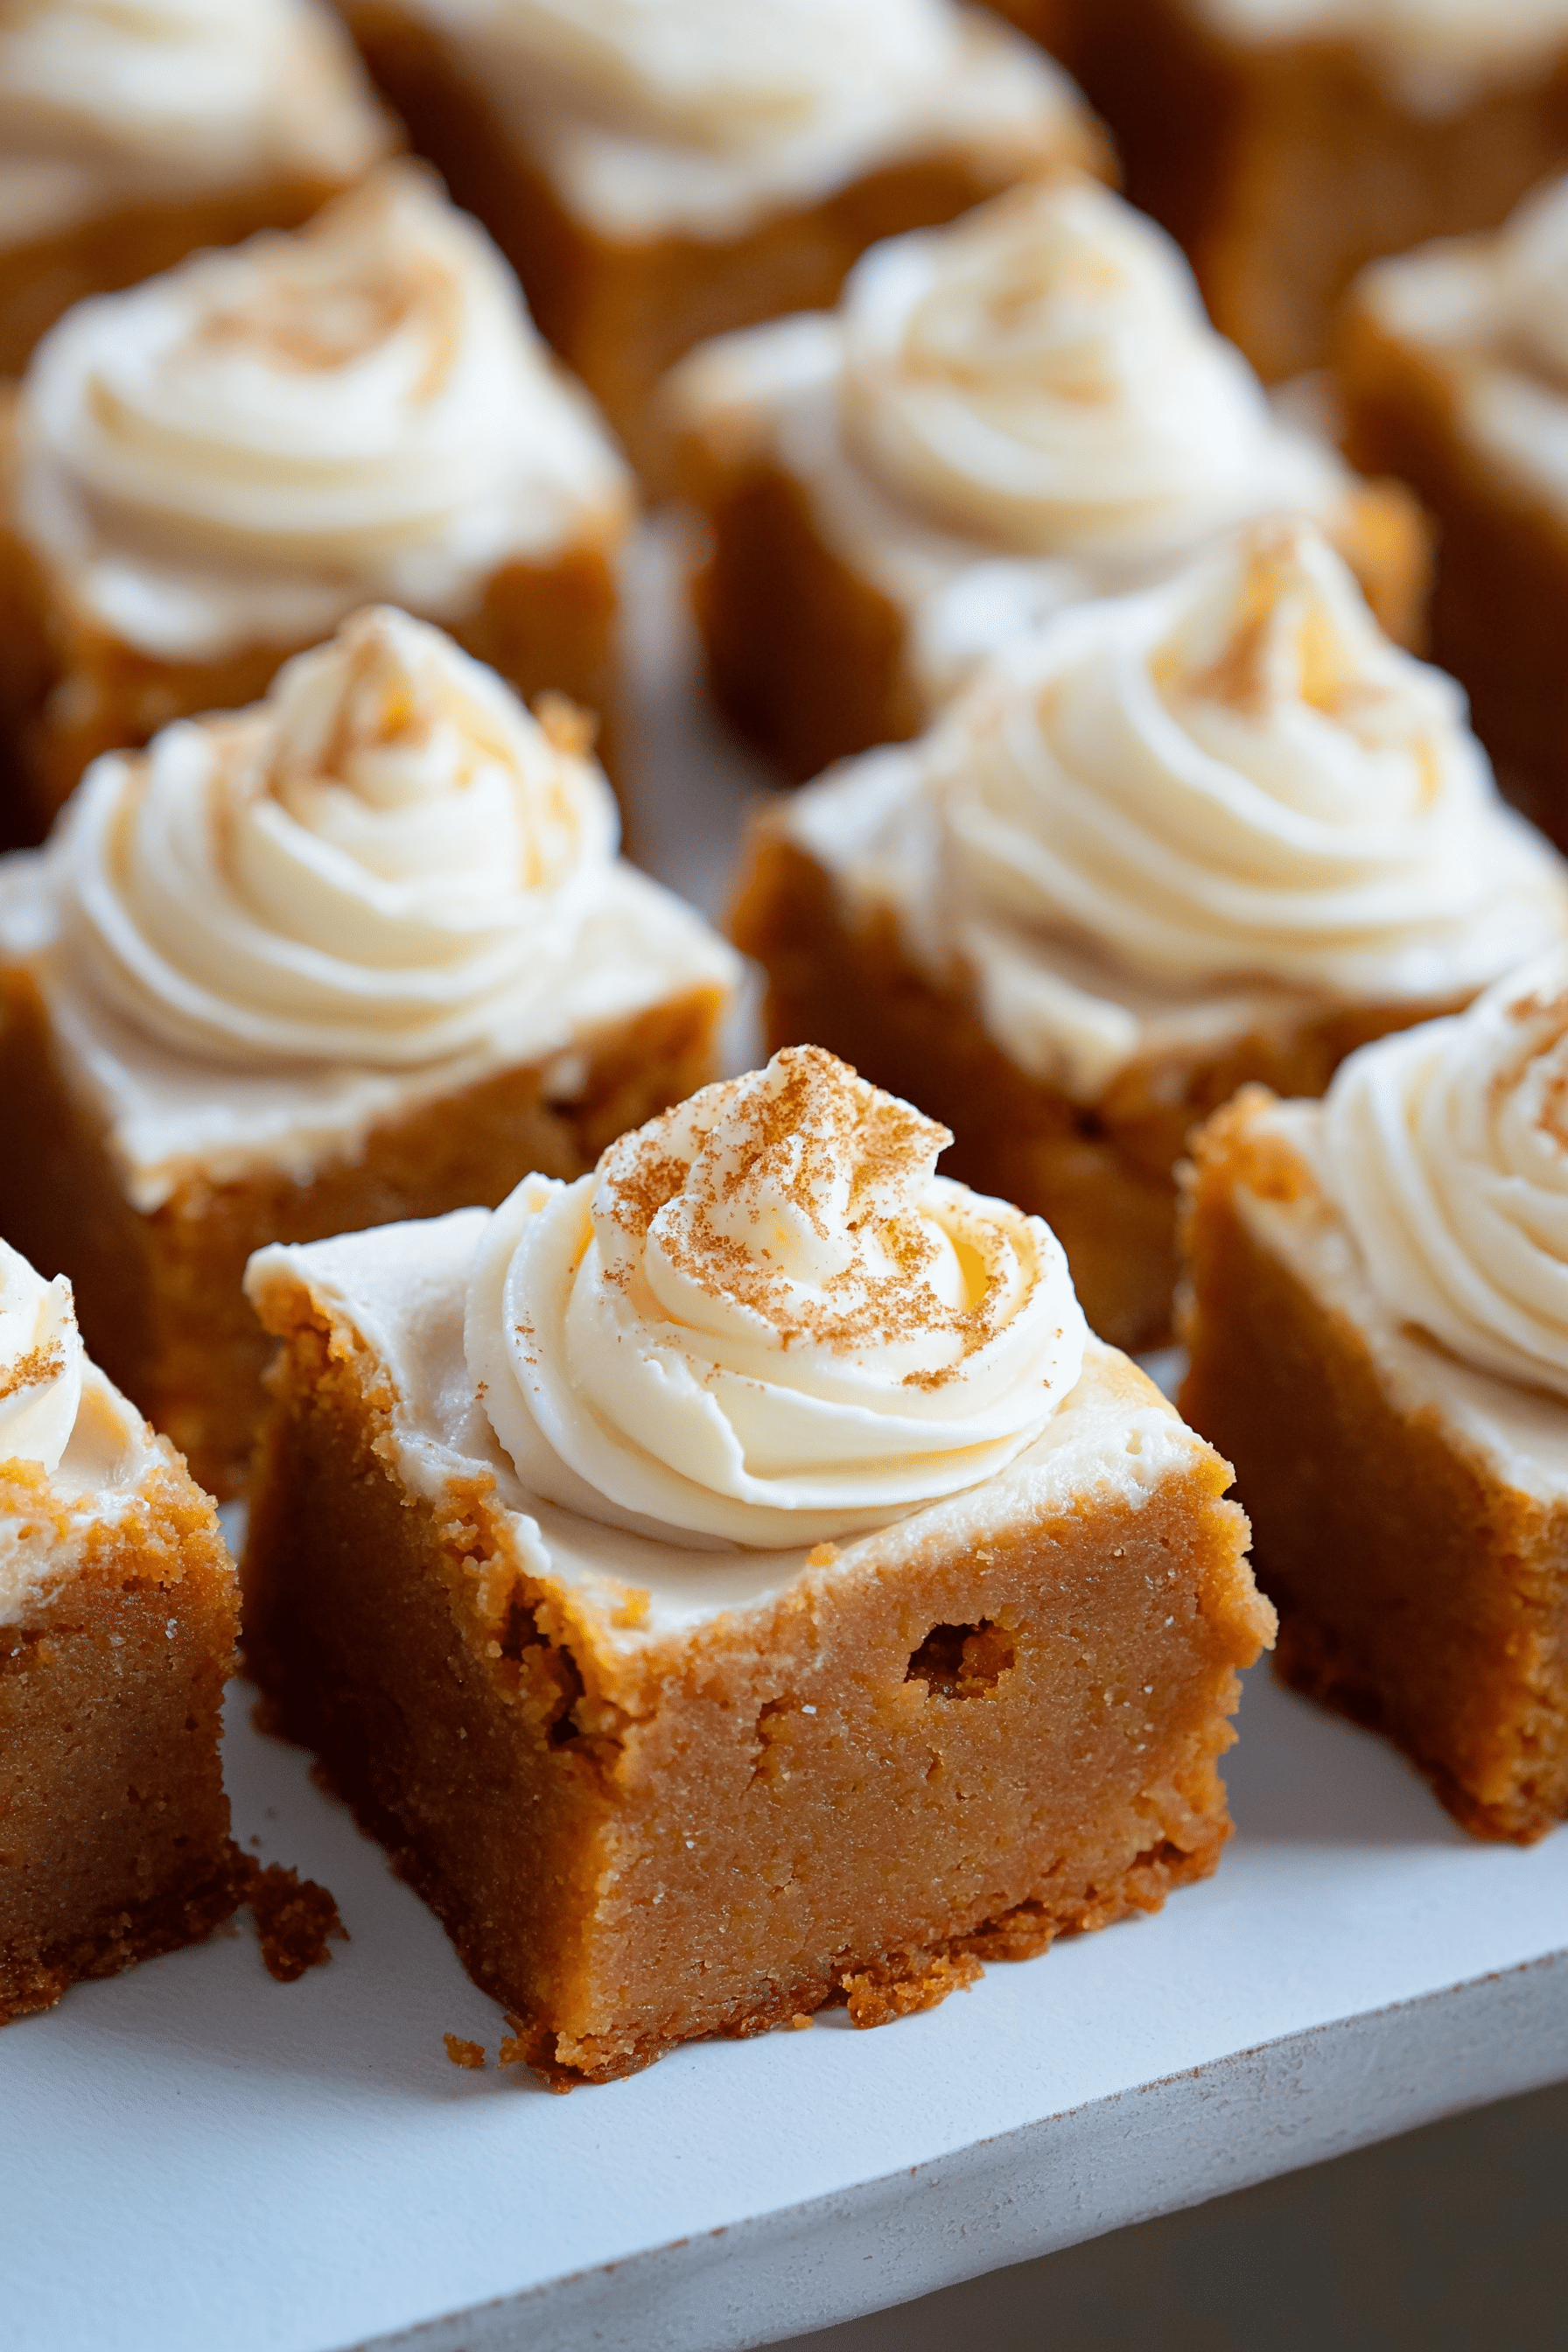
{"type": "Point", "coordinates": [1133, 827]}
{"type": "Point", "coordinates": [765, 1318]}
{"type": "Point", "coordinates": [1493, 311]}
{"type": "Point", "coordinates": [1436, 55]}
{"type": "Point", "coordinates": [700, 118]}
{"type": "Point", "coordinates": [1447, 1151]}
{"type": "Point", "coordinates": [245, 448]}
{"type": "Point", "coordinates": [41, 1363]}
{"type": "Point", "coordinates": [1041, 374]}
{"type": "Point", "coordinates": [1520, 1433]}
{"type": "Point", "coordinates": [100, 1477]}
{"type": "Point", "coordinates": [1009, 415]}
{"type": "Point", "coordinates": [104, 104]}
{"type": "Point", "coordinates": [383, 863]}
{"type": "Point", "coordinates": [405, 1290]}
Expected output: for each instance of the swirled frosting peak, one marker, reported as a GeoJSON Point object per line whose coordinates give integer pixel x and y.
{"type": "Point", "coordinates": [99, 97]}
{"type": "Point", "coordinates": [1041, 374]}
{"type": "Point", "coordinates": [1237, 776]}
{"type": "Point", "coordinates": [711, 74]}
{"type": "Point", "coordinates": [1447, 1150]}
{"type": "Point", "coordinates": [363, 402]}
{"type": "Point", "coordinates": [40, 1363]}
{"type": "Point", "coordinates": [764, 1318]}
{"type": "Point", "coordinates": [368, 868]}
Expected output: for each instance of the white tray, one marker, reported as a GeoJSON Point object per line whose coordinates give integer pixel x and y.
{"type": "Point", "coordinates": [194, 2157]}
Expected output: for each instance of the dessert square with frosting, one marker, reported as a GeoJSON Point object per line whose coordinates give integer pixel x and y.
{"type": "Point", "coordinates": [119, 1615]}
{"type": "Point", "coordinates": [1002, 417]}
{"type": "Point", "coordinates": [364, 952]}
{"type": "Point", "coordinates": [736, 1580]}
{"type": "Point", "coordinates": [1379, 1337]}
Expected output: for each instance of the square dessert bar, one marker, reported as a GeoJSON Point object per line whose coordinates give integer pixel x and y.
{"type": "Point", "coordinates": [1156, 849]}
{"type": "Point", "coordinates": [119, 1612]}
{"type": "Point", "coordinates": [657, 1791]}
{"type": "Point", "coordinates": [362, 953]}
{"type": "Point", "coordinates": [205, 473]}
{"type": "Point", "coordinates": [636, 235]}
{"type": "Point", "coordinates": [1450, 364]}
{"type": "Point", "coordinates": [1410, 1511]}
{"type": "Point", "coordinates": [1284, 148]}
{"type": "Point", "coordinates": [1005, 416]}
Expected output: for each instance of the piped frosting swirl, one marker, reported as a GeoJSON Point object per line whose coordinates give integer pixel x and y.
{"type": "Point", "coordinates": [41, 1359]}
{"type": "Point", "coordinates": [1041, 376]}
{"type": "Point", "coordinates": [1446, 1147]}
{"type": "Point", "coordinates": [376, 866]}
{"type": "Point", "coordinates": [1235, 776]}
{"type": "Point", "coordinates": [263, 438]}
{"type": "Point", "coordinates": [764, 1318]}
{"type": "Point", "coordinates": [102, 103]}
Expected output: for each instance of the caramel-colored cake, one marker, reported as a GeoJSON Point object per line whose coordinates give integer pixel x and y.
{"type": "Point", "coordinates": [205, 474]}
{"type": "Point", "coordinates": [364, 952]}
{"type": "Point", "coordinates": [1286, 147]}
{"type": "Point", "coordinates": [1377, 1331]}
{"type": "Point", "coordinates": [119, 1611]}
{"type": "Point", "coordinates": [1002, 417]}
{"type": "Point", "coordinates": [1452, 364]}
{"type": "Point", "coordinates": [735, 1582]}
{"type": "Point", "coordinates": [131, 137]}
{"type": "Point", "coordinates": [656, 175]}
{"type": "Point", "coordinates": [1217, 831]}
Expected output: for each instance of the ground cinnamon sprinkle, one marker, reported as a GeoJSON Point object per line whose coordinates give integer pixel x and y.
{"type": "Point", "coordinates": [295, 1919]}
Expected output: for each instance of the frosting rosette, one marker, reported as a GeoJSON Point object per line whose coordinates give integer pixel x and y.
{"type": "Point", "coordinates": [1235, 776]}
{"type": "Point", "coordinates": [714, 76]}
{"type": "Point", "coordinates": [365, 402]}
{"type": "Point", "coordinates": [41, 1361]}
{"type": "Point", "coordinates": [764, 1318]}
{"type": "Point", "coordinates": [1041, 373]}
{"type": "Point", "coordinates": [227, 87]}
{"type": "Point", "coordinates": [369, 867]}
{"type": "Point", "coordinates": [1446, 1147]}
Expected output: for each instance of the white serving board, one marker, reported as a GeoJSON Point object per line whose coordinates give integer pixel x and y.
{"type": "Point", "coordinates": [192, 2157]}
{"type": "Point", "coordinates": [195, 2157]}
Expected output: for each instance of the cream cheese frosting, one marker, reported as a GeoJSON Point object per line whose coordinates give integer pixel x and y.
{"type": "Point", "coordinates": [245, 448]}
{"type": "Point", "coordinates": [372, 865]}
{"type": "Point", "coordinates": [1011, 414]}
{"type": "Point", "coordinates": [697, 117]}
{"type": "Point", "coordinates": [1520, 1433]}
{"type": "Point", "coordinates": [276, 929]}
{"type": "Point", "coordinates": [1445, 1151]}
{"type": "Point", "coordinates": [404, 1289]}
{"type": "Point", "coordinates": [104, 103]}
{"type": "Point", "coordinates": [40, 1363]}
{"type": "Point", "coordinates": [764, 1318]}
{"type": "Point", "coordinates": [1437, 55]}
{"type": "Point", "coordinates": [1229, 784]}
{"type": "Point", "coordinates": [1495, 310]}
{"type": "Point", "coordinates": [1041, 373]}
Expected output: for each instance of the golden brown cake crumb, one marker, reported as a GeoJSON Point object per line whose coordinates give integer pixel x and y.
{"type": "Point", "coordinates": [470, 2054]}
{"type": "Point", "coordinates": [295, 1920]}
{"type": "Point", "coordinates": [877, 1996]}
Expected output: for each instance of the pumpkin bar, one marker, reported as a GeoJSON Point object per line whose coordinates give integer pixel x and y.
{"type": "Point", "coordinates": [1376, 1340]}
{"type": "Point", "coordinates": [363, 953]}
{"type": "Point", "coordinates": [119, 1612]}
{"type": "Point", "coordinates": [822, 1740]}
